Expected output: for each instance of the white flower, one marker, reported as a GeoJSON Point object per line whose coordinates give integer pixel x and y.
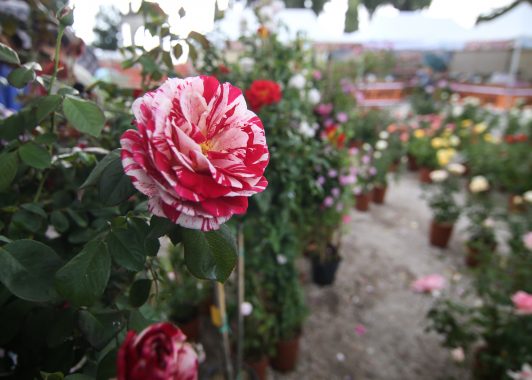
{"type": "Point", "coordinates": [306, 129]}
{"type": "Point", "coordinates": [381, 145]}
{"type": "Point", "coordinates": [377, 155]}
{"type": "Point", "coordinates": [366, 146]}
{"type": "Point", "coordinates": [51, 233]}
{"type": "Point", "coordinates": [454, 140]}
{"type": "Point", "coordinates": [455, 97]}
{"type": "Point", "coordinates": [479, 184]}
{"type": "Point", "coordinates": [281, 259]}
{"type": "Point", "coordinates": [314, 96]}
{"type": "Point", "coordinates": [488, 223]}
{"type": "Point", "coordinates": [528, 196]}
{"type": "Point", "coordinates": [297, 81]}
{"type": "Point", "coordinates": [247, 63]}
{"type": "Point", "coordinates": [438, 175]}
{"type": "Point", "coordinates": [383, 135]}
{"type": "Point", "coordinates": [524, 374]}
{"type": "Point", "coordinates": [458, 354]}
{"type": "Point", "coordinates": [457, 110]}
{"type": "Point", "coordinates": [246, 309]}
{"type": "Point", "coordinates": [456, 169]}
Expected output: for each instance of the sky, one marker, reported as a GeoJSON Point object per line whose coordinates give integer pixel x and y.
{"type": "Point", "coordinates": [199, 13]}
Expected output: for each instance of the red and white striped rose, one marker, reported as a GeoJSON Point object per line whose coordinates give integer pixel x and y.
{"type": "Point", "coordinates": [198, 153]}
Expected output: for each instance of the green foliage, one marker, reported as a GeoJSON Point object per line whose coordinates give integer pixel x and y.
{"type": "Point", "coordinates": [78, 247]}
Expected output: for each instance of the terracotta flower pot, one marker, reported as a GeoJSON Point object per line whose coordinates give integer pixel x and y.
{"type": "Point", "coordinates": [473, 254]}
{"type": "Point", "coordinates": [379, 192]}
{"type": "Point", "coordinates": [362, 202]}
{"type": "Point", "coordinates": [411, 163]}
{"type": "Point", "coordinates": [516, 203]}
{"type": "Point", "coordinates": [424, 175]}
{"type": "Point", "coordinates": [285, 359]}
{"type": "Point", "coordinates": [440, 233]}
{"type": "Point", "coordinates": [191, 328]}
{"type": "Point", "coordinates": [259, 366]}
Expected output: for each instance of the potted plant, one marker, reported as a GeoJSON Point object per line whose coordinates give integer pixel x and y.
{"type": "Point", "coordinates": [382, 160]}
{"type": "Point", "coordinates": [445, 210]}
{"type": "Point", "coordinates": [259, 330]}
{"type": "Point", "coordinates": [420, 147]}
{"type": "Point", "coordinates": [365, 173]}
{"type": "Point", "coordinates": [291, 312]}
{"type": "Point", "coordinates": [481, 231]}
{"type": "Point", "coordinates": [495, 331]}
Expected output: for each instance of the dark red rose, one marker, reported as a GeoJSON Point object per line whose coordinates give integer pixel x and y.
{"type": "Point", "coordinates": [157, 353]}
{"type": "Point", "coordinates": [263, 92]}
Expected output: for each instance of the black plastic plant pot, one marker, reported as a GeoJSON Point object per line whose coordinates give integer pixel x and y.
{"type": "Point", "coordinates": [324, 271]}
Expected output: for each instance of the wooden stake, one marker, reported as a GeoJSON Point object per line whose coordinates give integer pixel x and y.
{"type": "Point", "coordinates": [240, 296]}
{"type": "Point", "coordinates": [224, 329]}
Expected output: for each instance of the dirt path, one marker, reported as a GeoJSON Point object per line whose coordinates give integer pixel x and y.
{"type": "Point", "coordinates": [384, 250]}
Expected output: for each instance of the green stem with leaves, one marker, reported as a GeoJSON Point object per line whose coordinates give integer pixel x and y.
{"type": "Point", "coordinates": [60, 33]}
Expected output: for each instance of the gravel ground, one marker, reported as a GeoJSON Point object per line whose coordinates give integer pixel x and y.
{"type": "Point", "coordinates": [383, 251]}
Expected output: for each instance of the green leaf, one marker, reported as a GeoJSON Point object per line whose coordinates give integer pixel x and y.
{"type": "Point", "coordinates": [45, 105]}
{"type": "Point", "coordinates": [97, 172]}
{"type": "Point", "coordinates": [46, 138]}
{"type": "Point", "coordinates": [115, 186]}
{"type": "Point", "coordinates": [77, 218]}
{"type": "Point", "coordinates": [178, 50]}
{"type": "Point", "coordinates": [160, 226]}
{"type": "Point", "coordinates": [27, 220]}
{"type": "Point", "coordinates": [8, 55]}
{"type": "Point", "coordinates": [139, 292]}
{"type": "Point", "coordinates": [210, 255]}
{"type": "Point", "coordinates": [205, 44]}
{"type": "Point", "coordinates": [107, 366]}
{"type": "Point", "coordinates": [78, 376]}
{"type": "Point", "coordinates": [129, 245]}
{"type": "Point", "coordinates": [84, 115]}
{"type": "Point", "coordinates": [35, 155]}
{"type": "Point", "coordinates": [52, 376]}
{"type": "Point", "coordinates": [83, 279]}
{"type": "Point", "coordinates": [34, 208]}
{"type": "Point", "coordinates": [8, 168]}
{"type": "Point", "coordinates": [20, 77]}
{"type": "Point", "coordinates": [192, 52]}
{"type": "Point", "coordinates": [59, 221]}
{"type": "Point", "coordinates": [27, 269]}
{"type": "Point", "coordinates": [100, 328]}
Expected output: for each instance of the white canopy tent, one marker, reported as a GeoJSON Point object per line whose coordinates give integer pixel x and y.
{"type": "Point", "coordinates": [406, 31]}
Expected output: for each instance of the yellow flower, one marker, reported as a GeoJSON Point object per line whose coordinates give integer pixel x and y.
{"type": "Point", "coordinates": [467, 123]}
{"type": "Point", "coordinates": [419, 133]}
{"type": "Point", "coordinates": [437, 142]}
{"type": "Point", "coordinates": [488, 137]}
{"type": "Point", "coordinates": [445, 156]}
{"type": "Point", "coordinates": [480, 127]}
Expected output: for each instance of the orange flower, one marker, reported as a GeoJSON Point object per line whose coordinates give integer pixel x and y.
{"type": "Point", "coordinates": [263, 32]}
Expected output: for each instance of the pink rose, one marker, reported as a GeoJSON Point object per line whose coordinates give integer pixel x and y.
{"type": "Point", "coordinates": [157, 353]}
{"type": "Point", "coordinates": [428, 284]}
{"type": "Point", "coordinates": [198, 153]}
{"type": "Point", "coordinates": [328, 201]}
{"type": "Point", "coordinates": [527, 240]}
{"type": "Point", "coordinates": [360, 329]}
{"type": "Point", "coordinates": [522, 302]}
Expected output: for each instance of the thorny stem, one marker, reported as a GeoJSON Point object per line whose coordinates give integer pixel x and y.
{"type": "Point", "coordinates": [60, 33]}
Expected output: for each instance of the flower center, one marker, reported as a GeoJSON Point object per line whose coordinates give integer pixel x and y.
{"type": "Point", "coordinates": [205, 147]}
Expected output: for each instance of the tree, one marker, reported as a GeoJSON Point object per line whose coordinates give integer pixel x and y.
{"type": "Point", "coordinates": [317, 5]}
{"type": "Point", "coordinates": [500, 11]}
{"type": "Point", "coordinates": [410, 5]}
{"type": "Point", "coordinates": [351, 16]}
{"type": "Point", "coordinates": [107, 28]}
